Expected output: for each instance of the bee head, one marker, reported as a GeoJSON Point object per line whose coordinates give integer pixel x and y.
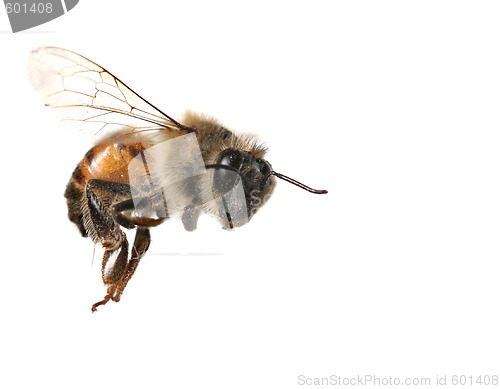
{"type": "Point", "coordinates": [244, 183]}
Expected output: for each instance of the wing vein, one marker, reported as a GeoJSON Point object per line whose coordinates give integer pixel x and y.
{"type": "Point", "coordinates": [82, 93]}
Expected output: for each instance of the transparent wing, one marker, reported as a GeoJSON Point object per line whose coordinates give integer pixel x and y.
{"type": "Point", "coordinates": [85, 96]}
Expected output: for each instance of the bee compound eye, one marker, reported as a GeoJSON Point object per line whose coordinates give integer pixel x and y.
{"type": "Point", "coordinates": [231, 158]}
{"type": "Point", "coordinates": [264, 167]}
{"type": "Point", "coordinates": [225, 179]}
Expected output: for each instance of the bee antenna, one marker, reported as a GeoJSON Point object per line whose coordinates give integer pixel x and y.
{"type": "Point", "coordinates": [272, 173]}
{"type": "Point", "coordinates": [297, 183]}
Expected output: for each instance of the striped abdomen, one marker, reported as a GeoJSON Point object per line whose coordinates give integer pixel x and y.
{"type": "Point", "coordinates": [109, 162]}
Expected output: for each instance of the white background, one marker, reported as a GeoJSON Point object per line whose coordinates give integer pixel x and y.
{"type": "Point", "coordinates": [391, 106]}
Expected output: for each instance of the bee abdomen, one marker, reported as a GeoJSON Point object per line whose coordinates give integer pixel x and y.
{"type": "Point", "coordinates": [74, 195]}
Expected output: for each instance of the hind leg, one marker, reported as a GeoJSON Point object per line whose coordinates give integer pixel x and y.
{"type": "Point", "coordinates": [114, 265]}
{"type": "Point", "coordinates": [103, 228]}
{"type": "Point", "coordinates": [141, 245]}
{"type": "Point", "coordinates": [120, 272]}
{"type": "Point", "coordinates": [74, 195]}
{"type": "Point", "coordinates": [104, 218]}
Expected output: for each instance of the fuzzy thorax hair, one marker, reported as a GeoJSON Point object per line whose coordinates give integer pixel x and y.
{"type": "Point", "coordinates": [214, 138]}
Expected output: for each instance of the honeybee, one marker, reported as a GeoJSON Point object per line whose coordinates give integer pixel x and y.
{"type": "Point", "coordinates": [146, 167]}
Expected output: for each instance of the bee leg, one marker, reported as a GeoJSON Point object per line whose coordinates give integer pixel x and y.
{"type": "Point", "coordinates": [118, 210]}
{"type": "Point", "coordinates": [141, 245]}
{"type": "Point", "coordinates": [103, 229]}
{"type": "Point", "coordinates": [104, 221]}
{"type": "Point", "coordinates": [114, 265]}
{"type": "Point", "coordinates": [190, 217]}
{"type": "Point", "coordinates": [99, 222]}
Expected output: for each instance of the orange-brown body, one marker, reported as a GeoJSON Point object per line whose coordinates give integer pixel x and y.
{"type": "Point", "coordinates": [108, 161]}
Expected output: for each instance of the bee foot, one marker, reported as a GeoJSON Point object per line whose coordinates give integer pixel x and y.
{"type": "Point", "coordinates": [102, 302]}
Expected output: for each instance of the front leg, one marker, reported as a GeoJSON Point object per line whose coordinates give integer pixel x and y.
{"type": "Point", "coordinates": [190, 217]}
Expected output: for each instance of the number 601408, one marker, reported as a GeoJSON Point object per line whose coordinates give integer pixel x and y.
{"type": "Point", "coordinates": [17, 8]}
{"type": "Point", "coordinates": [473, 380]}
